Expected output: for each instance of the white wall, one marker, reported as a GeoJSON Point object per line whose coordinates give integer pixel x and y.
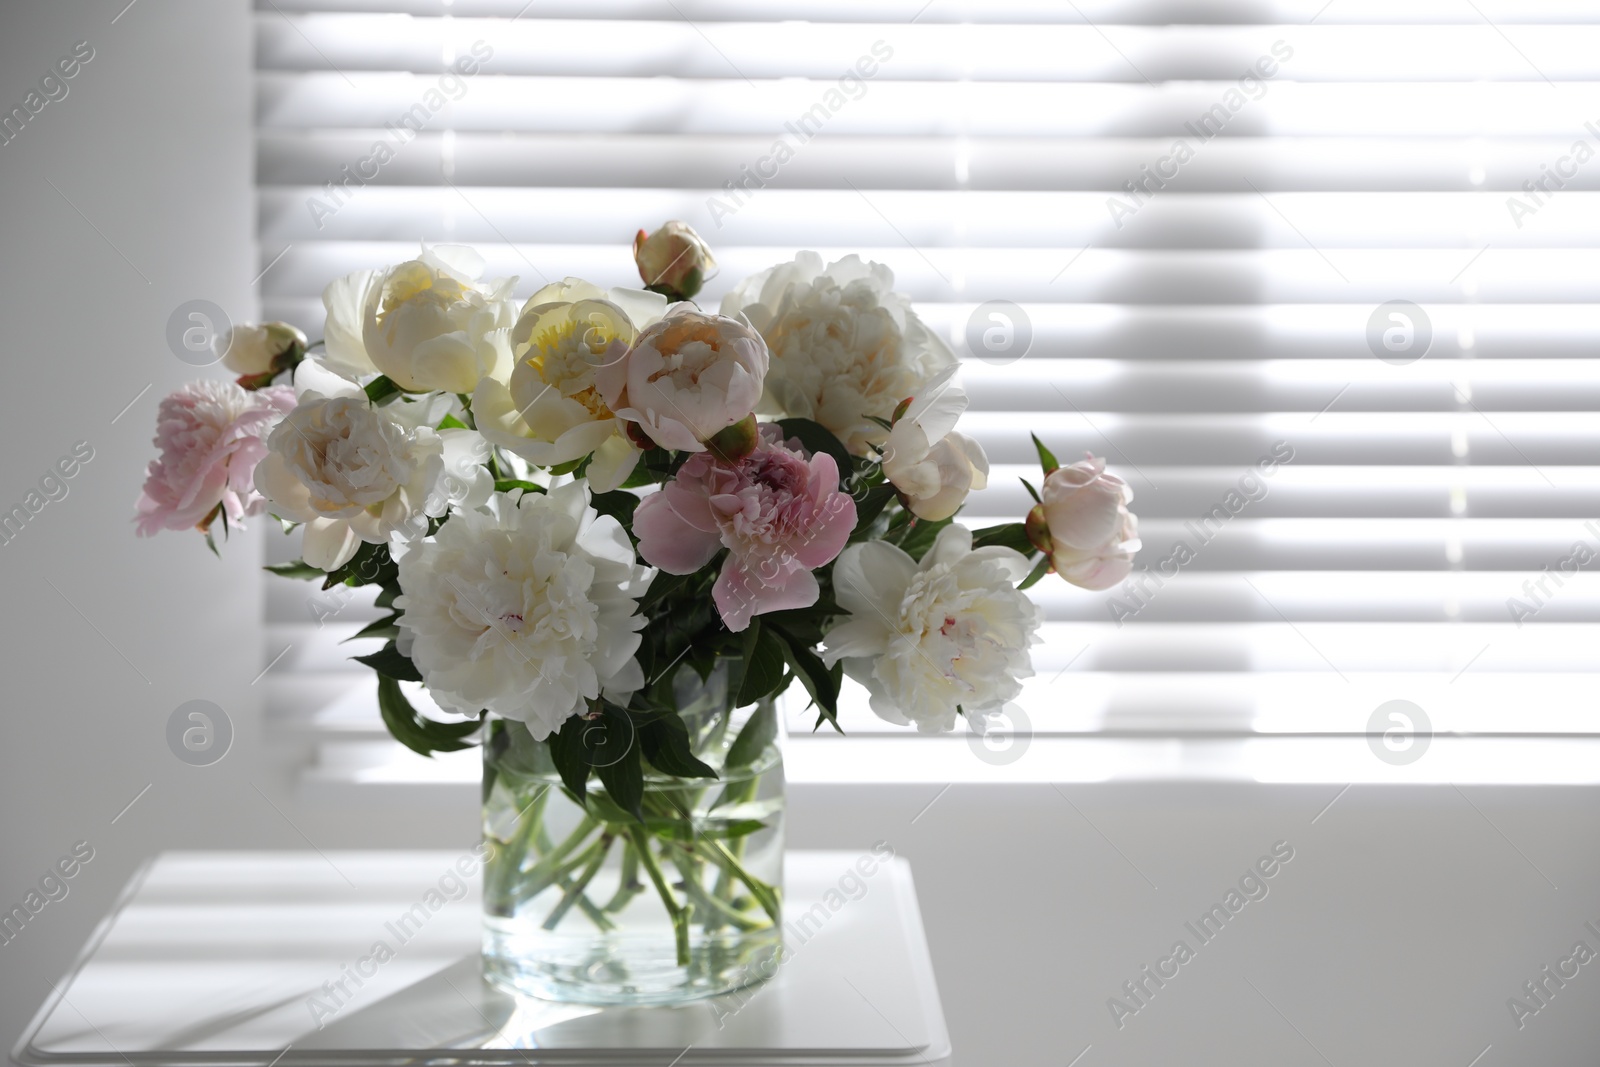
{"type": "Point", "coordinates": [152, 146]}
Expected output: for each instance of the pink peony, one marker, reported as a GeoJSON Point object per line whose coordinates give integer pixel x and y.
{"type": "Point", "coordinates": [210, 435]}
{"type": "Point", "coordinates": [1092, 536]}
{"type": "Point", "coordinates": [687, 377]}
{"type": "Point", "coordinates": [780, 516]}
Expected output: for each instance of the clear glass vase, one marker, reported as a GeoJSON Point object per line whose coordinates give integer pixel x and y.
{"type": "Point", "coordinates": [584, 904]}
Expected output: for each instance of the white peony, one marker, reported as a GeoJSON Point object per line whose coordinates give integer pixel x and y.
{"type": "Point", "coordinates": [844, 345]}
{"type": "Point", "coordinates": [925, 639]}
{"type": "Point", "coordinates": [345, 302]}
{"type": "Point", "coordinates": [427, 323]}
{"type": "Point", "coordinates": [933, 465]}
{"type": "Point", "coordinates": [354, 472]}
{"type": "Point", "coordinates": [552, 412]}
{"type": "Point", "coordinates": [528, 610]}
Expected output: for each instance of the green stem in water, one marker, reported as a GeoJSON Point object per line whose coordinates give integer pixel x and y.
{"type": "Point", "coordinates": [508, 858]}
{"type": "Point", "coordinates": [680, 912]}
{"type": "Point", "coordinates": [721, 912]}
{"type": "Point", "coordinates": [541, 875]}
{"type": "Point", "coordinates": [717, 853]}
{"type": "Point", "coordinates": [591, 857]}
{"type": "Point", "coordinates": [628, 884]}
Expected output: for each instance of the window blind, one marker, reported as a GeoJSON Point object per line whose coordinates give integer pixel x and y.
{"type": "Point", "coordinates": [1313, 277]}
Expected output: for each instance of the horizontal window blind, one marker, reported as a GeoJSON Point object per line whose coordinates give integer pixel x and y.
{"type": "Point", "coordinates": [1201, 211]}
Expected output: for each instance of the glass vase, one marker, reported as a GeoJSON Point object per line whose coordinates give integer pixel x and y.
{"type": "Point", "coordinates": [584, 904]}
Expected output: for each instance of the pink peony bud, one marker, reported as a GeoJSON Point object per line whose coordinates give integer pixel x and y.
{"type": "Point", "coordinates": [1092, 536]}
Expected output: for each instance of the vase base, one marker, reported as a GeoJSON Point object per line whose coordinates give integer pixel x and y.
{"type": "Point", "coordinates": [627, 971]}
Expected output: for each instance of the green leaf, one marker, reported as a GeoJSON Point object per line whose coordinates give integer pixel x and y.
{"type": "Point", "coordinates": [569, 467]}
{"type": "Point", "coordinates": [814, 437]}
{"type": "Point", "coordinates": [885, 423]}
{"type": "Point", "coordinates": [505, 485]}
{"type": "Point", "coordinates": [386, 598]}
{"type": "Point", "coordinates": [869, 506]}
{"type": "Point", "coordinates": [388, 662]}
{"type": "Point", "coordinates": [653, 467]}
{"type": "Point", "coordinates": [371, 564]}
{"type": "Point", "coordinates": [1040, 569]}
{"type": "Point", "coordinates": [1009, 535]}
{"type": "Point", "coordinates": [622, 775]}
{"type": "Point", "coordinates": [1031, 490]}
{"type": "Point", "coordinates": [757, 733]}
{"type": "Point", "coordinates": [664, 740]}
{"type": "Point", "coordinates": [422, 736]}
{"type": "Point", "coordinates": [381, 389]}
{"type": "Point", "coordinates": [566, 749]}
{"type": "Point", "coordinates": [450, 422]}
{"type": "Point", "coordinates": [820, 682]}
{"type": "Point", "coordinates": [763, 664]}
{"type": "Point", "coordinates": [920, 537]}
{"type": "Point", "coordinates": [294, 569]}
{"type": "Point", "coordinates": [384, 627]}
{"type": "Point", "coordinates": [1047, 460]}
{"type": "Point", "coordinates": [618, 504]}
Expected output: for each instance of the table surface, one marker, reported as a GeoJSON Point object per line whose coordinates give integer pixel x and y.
{"type": "Point", "coordinates": [222, 958]}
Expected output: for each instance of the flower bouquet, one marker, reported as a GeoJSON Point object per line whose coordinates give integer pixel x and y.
{"type": "Point", "coordinates": [608, 528]}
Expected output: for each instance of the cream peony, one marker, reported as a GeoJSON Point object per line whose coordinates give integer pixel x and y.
{"type": "Point", "coordinates": [925, 639]}
{"type": "Point", "coordinates": [354, 472]}
{"type": "Point", "coordinates": [687, 377]}
{"type": "Point", "coordinates": [674, 259]}
{"type": "Point", "coordinates": [429, 324]}
{"type": "Point", "coordinates": [844, 345]}
{"type": "Point", "coordinates": [552, 411]}
{"type": "Point", "coordinates": [528, 612]}
{"type": "Point", "coordinates": [932, 464]}
{"type": "Point", "coordinates": [249, 349]}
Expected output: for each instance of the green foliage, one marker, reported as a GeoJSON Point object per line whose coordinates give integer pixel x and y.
{"type": "Point", "coordinates": [389, 662]}
{"type": "Point", "coordinates": [421, 735]}
{"type": "Point", "coordinates": [664, 740]}
{"type": "Point", "coordinates": [619, 505]}
{"type": "Point", "coordinates": [919, 536]}
{"type": "Point", "coordinates": [758, 732]}
{"type": "Point", "coordinates": [654, 467]}
{"type": "Point", "coordinates": [764, 661]}
{"type": "Point", "coordinates": [505, 485]}
{"type": "Point", "coordinates": [298, 568]}
{"type": "Point", "coordinates": [566, 749]}
{"type": "Point", "coordinates": [1040, 569]}
{"type": "Point", "coordinates": [1009, 535]}
{"type": "Point", "coordinates": [1047, 460]}
{"type": "Point", "coordinates": [381, 390]}
{"type": "Point", "coordinates": [821, 682]}
{"type": "Point", "coordinates": [385, 627]}
{"type": "Point", "coordinates": [814, 437]}
{"type": "Point", "coordinates": [371, 564]}
{"type": "Point", "coordinates": [869, 506]}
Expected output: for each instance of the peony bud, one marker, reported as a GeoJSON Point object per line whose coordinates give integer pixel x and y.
{"type": "Point", "coordinates": [1090, 533]}
{"type": "Point", "coordinates": [735, 442]}
{"type": "Point", "coordinates": [259, 353]}
{"type": "Point", "coordinates": [673, 261]}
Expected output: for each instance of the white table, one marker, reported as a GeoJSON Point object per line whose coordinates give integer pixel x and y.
{"type": "Point", "coordinates": [234, 958]}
